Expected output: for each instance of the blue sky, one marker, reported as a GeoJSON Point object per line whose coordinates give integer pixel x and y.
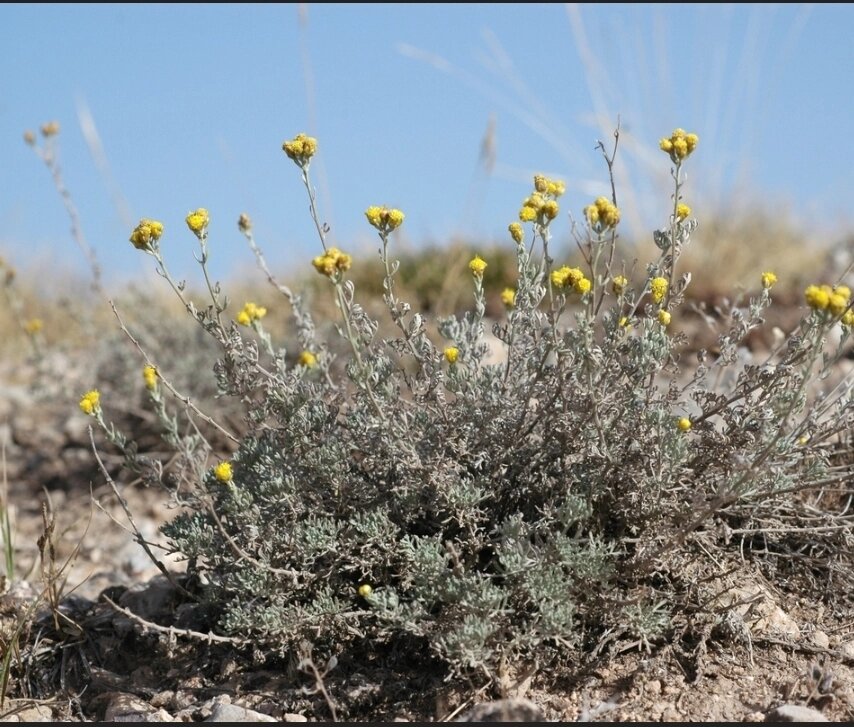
{"type": "Point", "coordinates": [191, 104]}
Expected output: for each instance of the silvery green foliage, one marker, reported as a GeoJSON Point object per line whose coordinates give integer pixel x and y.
{"type": "Point", "coordinates": [498, 510]}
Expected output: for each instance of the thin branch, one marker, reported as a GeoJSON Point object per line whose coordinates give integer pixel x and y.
{"type": "Point", "coordinates": [137, 534]}
{"type": "Point", "coordinates": [172, 631]}
{"type": "Point", "coordinates": [185, 399]}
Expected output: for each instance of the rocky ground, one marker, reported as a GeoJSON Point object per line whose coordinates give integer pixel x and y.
{"type": "Point", "coordinates": [107, 637]}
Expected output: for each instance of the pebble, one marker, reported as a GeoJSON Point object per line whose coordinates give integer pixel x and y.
{"type": "Point", "coordinates": [795, 713]}
{"type": "Point", "coordinates": [38, 713]}
{"type": "Point", "coordinates": [652, 688]}
{"type": "Point", "coordinates": [233, 713]}
{"type": "Point", "coordinates": [820, 639]}
{"type": "Point", "coordinates": [504, 710]}
{"type": "Point", "coordinates": [125, 707]}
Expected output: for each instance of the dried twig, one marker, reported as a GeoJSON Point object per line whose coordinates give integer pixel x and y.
{"type": "Point", "coordinates": [209, 637]}
{"type": "Point", "coordinates": [137, 534]}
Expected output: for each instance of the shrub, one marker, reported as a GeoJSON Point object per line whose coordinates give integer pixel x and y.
{"type": "Point", "coordinates": [490, 511]}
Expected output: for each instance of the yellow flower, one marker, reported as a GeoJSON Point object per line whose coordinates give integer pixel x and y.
{"type": "Point", "coordinates": [516, 232]}
{"type": "Point", "coordinates": [325, 265]}
{"type": "Point", "coordinates": [374, 215]}
{"type": "Point", "coordinates": [307, 359]}
{"type": "Point", "coordinates": [365, 590]}
{"type": "Point", "coordinates": [384, 219]}
{"type": "Point", "coordinates": [300, 149]}
{"type": "Point", "coordinates": [508, 297]}
{"type": "Point", "coordinates": [682, 211]}
{"type": "Point", "coordinates": [244, 223]}
{"type": "Point", "coordinates": [848, 318]}
{"type": "Point", "coordinates": [91, 402]}
{"type": "Point", "coordinates": [535, 201]}
{"type": "Point", "coordinates": [555, 187]}
{"type": "Point", "coordinates": [768, 279]}
{"type": "Point", "coordinates": [477, 266]}
{"type": "Point", "coordinates": [664, 318]}
{"type": "Point", "coordinates": [837, 304]}
{"type": "Point", "coordinates": [559, 276]}
{"type": "Point", "coordinates": [146, 233]}
{"type": "Point", "coordinates": [680, 148]}
{"type": "Point", "coordinates": [684, 424]}
{"type": "Point", "coordinates": [817, 297]}
{"type": "Point", "coordinates": [551, 209]}
{"type": "Point", "coordinates": [679, 145]}
{"type": "Point", "coordinates": [843, 290]}
{"type": "Point", "coordinates": [249, 313]}
{"type": "Point", "coordinates": [619, 283]}
{"type": "Point", "coordinates": [332, 261]}
{"type": "Point", "coordinates": [567, 277]}
{"type": "Point", "coordinates": [149, 375]}
{"type": "Point", "coordinates": [198, 222]}
{"type": "Point", "coordinates": [545, 186]}
{"type": "Point", "coordinates": [223, 472]}
{"type": "Point", "coordinates": [395, 218]}
{"type": "Point", "coordinates": [658, 289]}
{"type": "Point", "coordinates": [527, 213]}
{"type": "Point", "coordinates": [33, 326]}
{"type": "Point", "coordinates": [452, 353]}
{"type": "Point", "coordinates": [51, 128]}
{"type": "Point", "coordinates": [602, 214]}
{"type": "Point", "coordinates": [623, 322]}
{"type": "Point", "coordinates": [582, 286]}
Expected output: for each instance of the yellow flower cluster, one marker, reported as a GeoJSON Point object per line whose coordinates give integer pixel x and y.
{"type": "Point", "coordinates": [619, 283]}
{"type": "Point", "coordinates": [664, 318]}
{"type": "Point", "coordinates": [658, 289]}
{"type": "Point", "coordinates": [365, 590]}
{"type": "Point", "coordinates": [508, 297]}
{"type": "Point", "coordinates": [553, 187]}
{"type": "Point", "coordinates": [300, 149]}
{"type": "Point", "coordinates": [307, 359]}
{"type": "Point", "coordinates": [149, 376]}
{"type": "Point", "coordinates": [51, 128]}
{"type": "Point", "coordinates": [477, 265]}
{"type": "Point", "coordinates": [516, 232]}
{"type": "Point", "coordinates": [33, 326]}
{"type": "Point", "coordinates": [679, 145]}
{"type": "Point", "coordinates": [452, 353]}
{"type": "Point", "coordinates": [332, 261]}
{"type": "Point", "coordinates": [567, 277]}
{"type": "Point", "coordinates": [684, 424]}
{"type": "Point", "coordinates": [683, 211]}
{"type": "Point", "coordinates": [223, 472]}
{"type": "Point", "coordinates": [836, 300]}
{"type": "Point", "coordinates": [768, 279]}
{"type": "Point", "coordinates": [602, 214]}
{"type": "Point", "coordinates": [249, 313]}
{"type": "Point", "coordinates": [91, 402]}
{"type": "Point", "coordinates": [384, 219]}
{"type": "Point", "coordinates": [198, 222]}
{"type": "Point", "coordinates": [541, 206]}
{"type": "Point", "coordinates": [244, 223]}
{"type": "Point", "coordinates": [146, 233]}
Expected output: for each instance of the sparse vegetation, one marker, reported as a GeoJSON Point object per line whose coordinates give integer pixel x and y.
{"type": "Point", "coordinates": [551, 474]}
